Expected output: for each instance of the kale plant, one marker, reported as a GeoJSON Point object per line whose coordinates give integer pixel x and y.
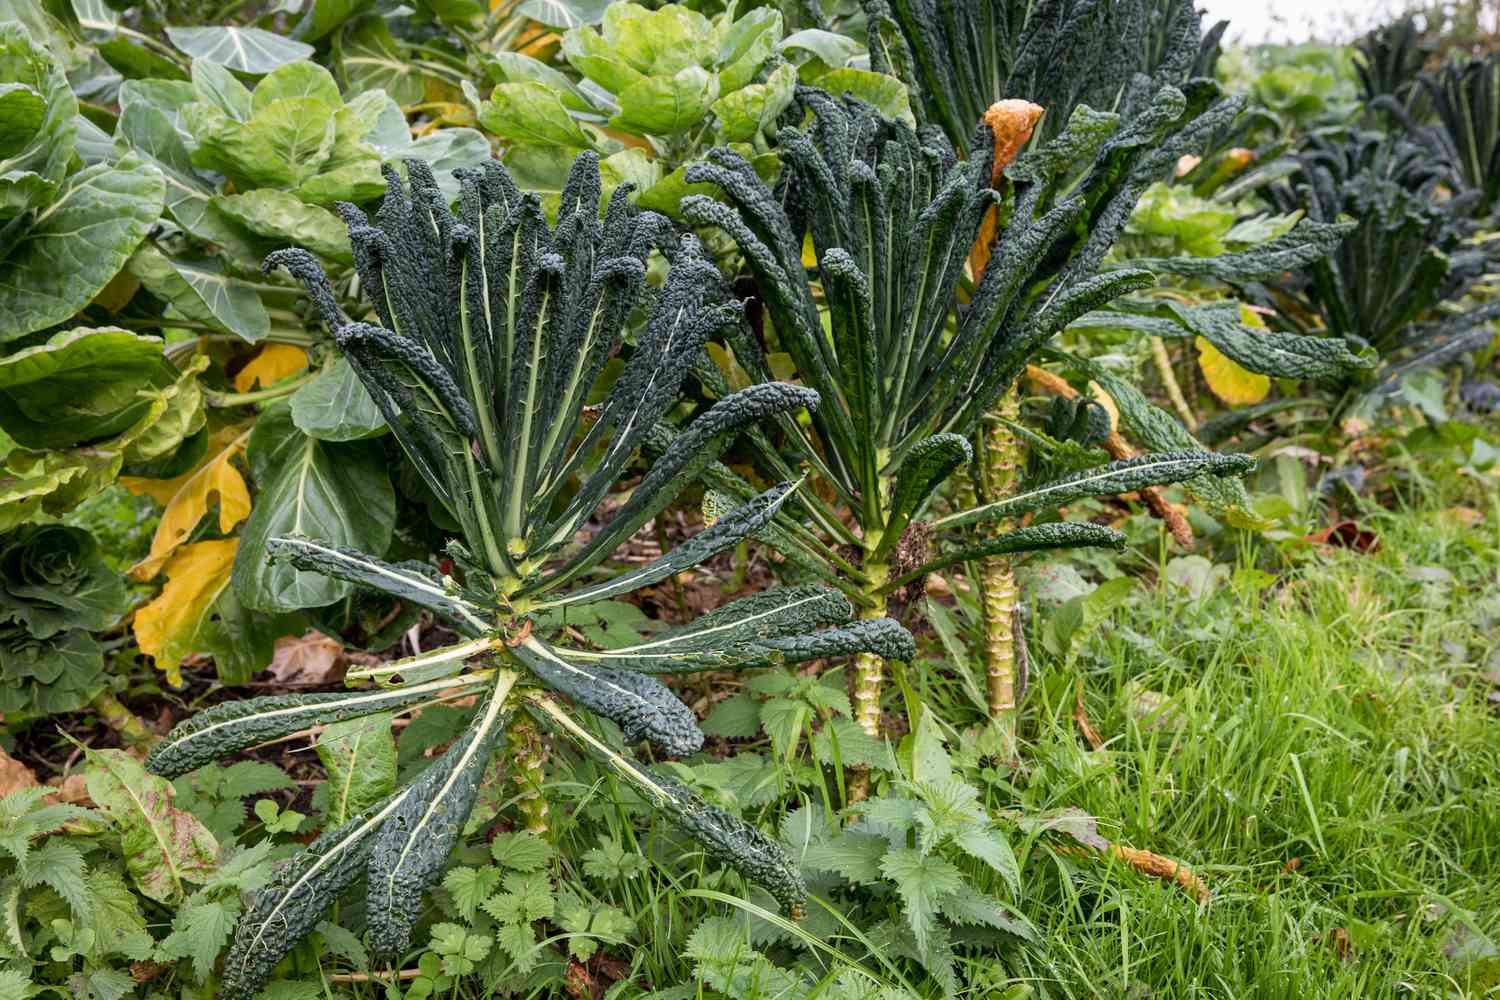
{"type": "Point", "coordinates": [959, 58]}
{"type": "Point", "coordinates": [1393, 283]}
{"type": "Point", "coordinates": [906, 372]}
{"type": "Point", "coordinates": [494, 330]}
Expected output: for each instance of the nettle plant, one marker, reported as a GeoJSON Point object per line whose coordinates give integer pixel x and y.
{"type": "Point", "coordinates": [494, 330]}
{"type": "Point", "coordinates": [905, 371]}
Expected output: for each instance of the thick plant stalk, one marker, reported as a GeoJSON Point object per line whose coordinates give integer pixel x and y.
{"type": "Point", "coordinates": [999, 455]}
{"type": "Point", "coordinates": [869, 678]}
{"type": "Point", "coordinates": [527, 757]}
{"type": "Point", "coordinates": [1152, 864]}
{"type": "Point", "coordinates": [999, 452]}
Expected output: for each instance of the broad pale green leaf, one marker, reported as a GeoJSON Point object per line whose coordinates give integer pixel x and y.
{"type": "Point", "coordinates": [289, 221]}
{"type": "Point", "coordinates": [360, 758]}
{"type": "Point", "coordinates": [221, 88]}
{"type": "Point", "coordinates": [165, 848]}
{"type": "Point", "coordinates": [660, 42]}
{"type": "Point", "coordinates": [533, 113]}
{"type": "Point", "coordinates": [747, 45]}
{"type": "Point", "coordinates": [202, 291]}
{"type": "Point", "coordinates": [94, 145]}
{"type": "Point", "coordinates": [286, 142]}
{"type": "Point", "coordinates": [597, 60]}
{"type": "Point", "coordinates": [296, 79]}
{"type": "Point", "coordinates": [564, 13]}
{"type": "Point", "coordinates": [885, 94]}
{"type": "Point", "coordinates": [833, 49]}
{"type": "Point", "coordinates": [79, 376]}
{"type": "Point", "coordinates": [244, 50]}
{"type": "Point", "coordinates": [34, 144]}
{"type": "Point", "coordinates": [516, 67]}
{"type": "Point", "coordinates": [334, 493]}
{"type": "Point", "coordinates": [22, 112]}
{"type": "Point", "coordinates": [745, 113]}
{"type": "Point", "coordinates": [336, 406]}
{"type": "Point", "coordinates": [666, 105]}
{"type": "Point", "coordinates": [77, 244]}
{"type": "Point", "coordinates": [368, 58]}
{"type": "Point", "coordinates": [152, 123]}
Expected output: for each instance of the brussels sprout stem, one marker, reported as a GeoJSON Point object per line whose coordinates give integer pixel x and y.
{"type": "Point", "coordinates": [869, 676]}
{"type": "Point", "coordinates": [1169, 382]}
{"type": "Point", "coordinates": [1000, 453]}
{"type": "Point", "coordinates": [527, 757]}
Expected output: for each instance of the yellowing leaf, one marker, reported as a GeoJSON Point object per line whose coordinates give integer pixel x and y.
{"type": "Point", "coordinates": [187, 497]}
{"type": "Point", "coordinates": [164, 846]}
{"type": "Point", "coordinates": [1104, 399]}
{"type": "Point", "coordinates": [1231, 383]}
{"type": "Point", "coordinates": [274, 363]}
{"type": "Point", "coordinates": [171, 628]}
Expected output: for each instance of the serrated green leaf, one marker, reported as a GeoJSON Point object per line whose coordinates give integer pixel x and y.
{"type": "Point", "coordinates": [522, 852]}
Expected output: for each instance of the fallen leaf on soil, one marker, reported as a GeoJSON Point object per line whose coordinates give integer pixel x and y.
{"type": "Point", "coordinates": [1347, 535]}
{"type": "Point", "coordinates": [14, 775]}
{"type": "Point", "coordinates": [313, 658]}
{"type": "Point", "coordinates": [164, 847]}
{"type": "Point", "coordinates": [73, 790]}
{"type": "Point", "coordinates": [1467, 517]}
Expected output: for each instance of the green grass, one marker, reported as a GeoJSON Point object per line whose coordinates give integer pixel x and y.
{"type": "Point", "coordinates": [1327, 761]}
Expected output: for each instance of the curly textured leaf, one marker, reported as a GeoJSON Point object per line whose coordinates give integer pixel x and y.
{"type": "Point", "coordinates": [1282, 355]}
{"type": "Point", "coordinates": [1033, 538]}
{"type": "Point", "coordinates": [237, 725]}
{"type": "Point", "coordinates": [721, 638]}
{"type": "Point", "coordinates": [1157, 429]}
{"type": "Point", "coordinates": [727, 532]}
{"type": "Point", "coordinates": [408, 854]}
{"type": "Point", "coordinates": [406, 581]}
{"type": "Point", "coordinates": [1117, 477]}
{"type": "Point", "coordinates": [642, 706]}
{"type": "Point", "coordinates": [1307, 242]}
{"type": "Point", "coordinates": [296, 899]}
{"type": "Point", "coordinates": [924, 469]}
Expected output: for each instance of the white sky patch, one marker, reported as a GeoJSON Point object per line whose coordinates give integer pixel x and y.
{"type": "Point", "coordinates": [1253, 22]}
